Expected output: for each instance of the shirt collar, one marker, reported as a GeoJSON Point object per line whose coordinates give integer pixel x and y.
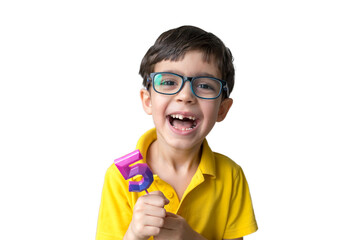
{"type": "Point", "coordinates": [145, 141]}
{"type": "Point", "coordinates": [207, 161]}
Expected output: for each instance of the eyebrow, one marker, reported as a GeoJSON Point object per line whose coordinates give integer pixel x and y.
{"type": "Point", "coordinates": [201, 74]}
{"type": "Point", "coordinates": [206, 75]}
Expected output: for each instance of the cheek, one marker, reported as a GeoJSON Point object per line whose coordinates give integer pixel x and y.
{"type": "Point", "coordinates": [210, 111]}
{"type": "Point", "coordinates": [158, 108]}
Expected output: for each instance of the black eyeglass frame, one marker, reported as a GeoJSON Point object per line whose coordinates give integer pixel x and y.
{"type": "Point", "coordinates": [223, 83]}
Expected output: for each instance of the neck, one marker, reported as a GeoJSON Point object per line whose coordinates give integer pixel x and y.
{"type": "Point", "coordinates": [163, 158]}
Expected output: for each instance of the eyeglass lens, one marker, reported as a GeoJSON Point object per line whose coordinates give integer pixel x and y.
{"type": "Point", "coordinates": [202, 86]}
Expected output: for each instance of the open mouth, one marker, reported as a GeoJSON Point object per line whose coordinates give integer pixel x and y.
{"type": "Point", "coordinates": [181, 122]}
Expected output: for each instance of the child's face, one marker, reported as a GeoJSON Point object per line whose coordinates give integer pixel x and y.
{"type": "Point", "coordinates": [198, 115]}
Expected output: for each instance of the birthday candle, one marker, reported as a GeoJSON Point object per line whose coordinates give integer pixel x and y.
{"type": "Point", "coordinates": [123, 164]}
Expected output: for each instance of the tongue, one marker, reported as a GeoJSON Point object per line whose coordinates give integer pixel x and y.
{"type": "Point", "coordinates": [182, 123]}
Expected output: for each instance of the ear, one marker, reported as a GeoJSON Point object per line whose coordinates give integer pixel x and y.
{"type": "Point", "coordinates": [146, 101]}
{"type": "Point", "coordinates": [225, 106]}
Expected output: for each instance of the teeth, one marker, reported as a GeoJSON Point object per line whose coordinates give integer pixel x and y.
{"type": "Point", "coordinates": [181, 117]}
{"type": "Point", "coordinates": [184, 129]}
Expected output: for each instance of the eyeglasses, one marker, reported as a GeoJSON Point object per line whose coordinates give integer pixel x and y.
{"type": "Point", "coordinates": [202, 87]}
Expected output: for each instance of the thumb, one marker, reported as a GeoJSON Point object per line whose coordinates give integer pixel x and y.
{"type": "Point", "coordinates": [169, 214]}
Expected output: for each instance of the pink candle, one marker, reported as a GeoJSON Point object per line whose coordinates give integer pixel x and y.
{"type": "Point", "coordinates": [123, 164]}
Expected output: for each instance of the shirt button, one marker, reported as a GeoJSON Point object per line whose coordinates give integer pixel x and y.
{"type": "Point", "coordinates": [170, 195]}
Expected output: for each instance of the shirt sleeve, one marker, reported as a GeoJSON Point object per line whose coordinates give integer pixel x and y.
{"type": "Point", "coordinates": [115, 211]}
{"type": "Point", "coordinates": [241, 220]}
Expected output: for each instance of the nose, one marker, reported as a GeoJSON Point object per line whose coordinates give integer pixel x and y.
{"type": "Point", "coordinates": [186, 95]}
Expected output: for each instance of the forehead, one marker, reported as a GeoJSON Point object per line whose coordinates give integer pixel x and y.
{"type": "Point", "coordinates": [192, 64]}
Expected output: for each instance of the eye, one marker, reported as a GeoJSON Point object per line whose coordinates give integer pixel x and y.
{"type": "Point", "coordinates": [167, 82]}
{"type": "Point", "coordinates": [205, 86]}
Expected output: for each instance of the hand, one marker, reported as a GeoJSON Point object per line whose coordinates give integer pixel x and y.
{"type": "Point", "coordinates": [176, 228]}
{"type": "Point", "coordinates": [148, 216]}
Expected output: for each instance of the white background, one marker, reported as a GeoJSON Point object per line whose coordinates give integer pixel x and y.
{"type": "Point", "coordinates": [69, 102]}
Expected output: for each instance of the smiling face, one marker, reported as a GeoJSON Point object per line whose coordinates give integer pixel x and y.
{"type": "Point", "coordinates": [182, 120]}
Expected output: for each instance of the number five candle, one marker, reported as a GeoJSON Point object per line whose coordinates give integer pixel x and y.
{"type": "Point", "coordinates": [123, 164]}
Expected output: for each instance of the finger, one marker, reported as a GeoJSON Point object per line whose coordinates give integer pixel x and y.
{"type": "Point", "coordinates": [153, 221]}
{"type": "Point", "coordinates": [172, 221]}
{"type": "Point", "coordinates": [154, 211]}
{"type": "Point", "coordinates": [170, 214]}
{"type": "Point", "coordinates": [156, 193]}
{"type": "Point", "coordinates": [142, 210]}
{"type": "Point", "coordinates": [159, 193]}
{"type": "Point", "coordinates": [156, 198]}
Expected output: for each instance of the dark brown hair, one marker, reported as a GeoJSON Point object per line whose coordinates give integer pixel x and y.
{"type": "Point", "coordinates": [174, 44]}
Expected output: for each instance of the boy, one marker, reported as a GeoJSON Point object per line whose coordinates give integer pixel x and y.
{"type": "Point", "coordinates": [188, 75]}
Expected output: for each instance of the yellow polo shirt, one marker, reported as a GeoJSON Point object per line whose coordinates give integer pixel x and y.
{"type": "Point", "coordinates": [216, 204]}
